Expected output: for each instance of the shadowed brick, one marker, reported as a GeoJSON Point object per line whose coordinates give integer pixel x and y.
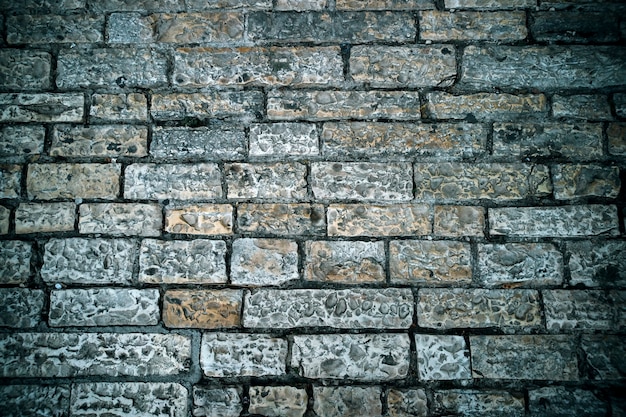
{"type": "Point", "coordinates": [574, 26]}
{"type": "Point", "coordinates": [4, 220]}
{"type": "Point", "coordinates": [586, 107]}
{"type": "Point", "coordinates": [379, 220]}
{"type": "Point", "coordinates": [477, 403]}
{"type": "Point", "coordinates": [554, 401]}
{"type": "Point", "coordinates": [221, 401]}
{"type": "Point", "coordinates": [46, 29]}
{"type": "Point", "coordinates": [616, 133]}
{"type": "Point", "coordinates": [16, 258]}
{"type": "Point", "coordinates": [345, 262]}
{"type": "Point", "coordinates": [45, 217]}
{"type": "Point", "coordinates": [577, 310]}
{"type": "Point", "coordinates": [31, 400]}
{"type": "Point", "coordinates": [572, 181]}
{"type": "Point", "coordinates": [24, 70]}
{"type": "Point", "coordinates": [202, 309]}
{"type": "Point", "coordinates": [597, 263]}
{"type": "Point", "coordinates": [347, 401]}
{"type": "Point", "coordinates": [21, 142]}
{"type": "Point", "coordinates": [485, 106]}
{"type": "Point", "coordinates": [384, 4]}
{"type": "Point", "coordinates": [99, 141]}
{"type": "Point", "coordinates": [50, 181]}
{"type": "Point", "coordinates": [278, 401]}
{"type": "Point", "coordinates": [402, 402]}
{"type": "Point", "coordinates": [103, 6]}
{"type": "Point", "coordinates": [119, 107]}
{"type": "Point", "coordinates": [604, 355]}
{"type": "Point", "coordinates": [493, 26]}
{"type": "Point", "coordinates": [10, 178]}
{"type": "Point", "coordinates": [43, 107]}
{"type": "Point", "coordinates": [20, 307]}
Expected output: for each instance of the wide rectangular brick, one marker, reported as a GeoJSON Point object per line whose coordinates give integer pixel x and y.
{"type": "Point", "coordinates": [536, 357]}
{"type": "Point", "coordinates": [485, 106]}
{"type": "Point", "coordinates": [363, 357]}
{"type": "Point", "coordinates": [347, 401]}
{"type": "Point", "coordinates": [204, 219]}
{"type": "Point", "coordinates": [281, 219]}
{"type": "Point", "coordinates": [104, 6]}
{"type": "Point", "coordinates": [221, 401]}
{"type": "Point", "coordinates": [433, 262]}
{"type": "Point", "coordinates": [24, 70]}
{"type": "Point", "coordinates": [263, 180]}
{"type": "Point", "coordinates": [239, 105]}
{"type": "Point", "coordinates": [543, 67]}
{"type": "Point", "coordinates": [407, 401]}
{"type": "Point", "coordinates": [47, 29]}
{"type": "Point", "coordinates": [388, 308]}
{"type": "Point", "coordinates": [284, 139]}
{"type": "Point", "coordinates": [202, 309]}
{"type": "Point", "coordinates": [502, 26]}
{"type": "Point", "coordinates": [237, 355]}
{"type": "Point", "coordinates": [21, 307]}
{"type": "Point", "coordinates": [119, 107]}
{"type": "Point", "coordinates": [227, 4]}
{"type": "Point", "coordinates": [384, 4]}
{"type": "Point", "coordinates": [574, 26]}
{"type": "Point", "coordinates": [442, 357]}
{"type": "Point", "coordinates": [200, 143]}
{"type": "Point", "coordinates": [196, 261]}
{"type": "Point", "coordinates": [459, 221]}
{"type": "Point", "coordinates": [104, 307]}
{"type": "Point", "coordinates": [261, 262]}
{"type": "Point", "coordinates": [44, 107]}
{"type": "Point", "coordinates": [604, 355]}
{"type": "Point", "coordinates": [585, 310]}
{"type": "Point", "coordinates": [616, 133]}
{"type": "Point", "coordinates": [5, 214]}
{"type": "Point", "coordinates": [21, 141]}
{"type": "Point", "coordinates": [15, 258]}
{"type": "Point", "coordinates": [489, 4]}
{"type": "Point", "coordinates": [565, 221]}
{"type": "Point", "coordinates": [45, 217]}
{"type": "Point", "coordinates": [121, 219]}
{"type": "Point", "coordinates": [573, 181]}
{"type": "Point", "coordinates": [582, 106]}
{"type": "Point", "coordinates": [101, 141]}
{"type": "Point", "coordinates": [34, 400]}
{"type": "Point", "coordinates": [44, 355]}
{"type": "Point", "coordinates": [172, 181]}
{"type": "Point", "coordinates": [467, 402]}
{"type": "Point", "coordinates": [597, 263]}
{"type": "Point", "coordinates": [379, 220]}
{"type": "Point", "coordinates": [560, 400]}
{"type": "Point", "coordinates": [345, 262]}
{"type": "Point", "coordinates": [10, 179]}
{"type": "Point", "coordinates": [39, 6]}
{"type": "Point", "coordinates": [273, 67]}
{"type": "Point", "coordinates": [283, 401]}
{"type": "Point", "coordinates": [50, 181]}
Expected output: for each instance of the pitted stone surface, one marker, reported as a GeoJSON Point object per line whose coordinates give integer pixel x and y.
{"type": "Point", "coordinates": [276, 180]}
{"type": "Point", "coordinates": [278, 401]}
{"type": "Point", "coordinates": [604, 355]}
{"type": "Point", "coordinates": [42, 107]}
{"type": "Point", "coordinates": [20, 307]}
{"type": "Point", "coordinates": [577, 310]}
{"type": "Point", "coordinates": [208, 402]}
{"type": "Point", "coordinates": [100, 141]}
{"type": "Point", "coordinates": [119, 107]}
{"type": "Point", "coordinates": [237, 105]}
{"type": "Point", "coordinates": [442, 357]}
{"type": "Point", "coordinates": [16, 257]}
{"type": "Point", "coordinates": [388, 308]}
{"type": "Point", "coordinates": [485, 106]}
{"type": "Point", "coordinates": [378, 220]}
{"type": "Point", "coordinates": [10, 179]}
{"type": "Point", "coordinates": [459, 221]}
{"type": "Point", "coordinates": [46, 29]}
{"type": "Point", "coordinates": [488, 4]}
{"type": "Point", "coordinates": [475, 403]}
{"type": "Point", "coordinates": [260, 262]}
{"type": "Point", "coordinates": [21, 142]}
{"type": "Point", "coordinates": [574, 27]}
{"type": "Point", "coordinates": [407, 402]}
{"type": "Point", "coordinates": [345, 262]}
{"type": "Point", "coordinates": [433, 262]}
{"type": "Point", "coordinates": [50, 181]}
{"type": "Point", "coordinates": [459, 26]}
{"type": "Point", "coordinates": [573, 181]}
{"type": "Point", "coordinates": [103, 6]}
{"type": "Point", "coordinates": [4, 220]}
{"type": "Point", "coordinates": [301, 5]}
{"type": "Point", "coordinates": [347, 401]}
{"type": "Point", "coordinates": [554, 401]}
{"type": "Point", "coordinates": [202, 143]}
{"type": "Point", "coordinates": [205, 219]}
{"type": "Point", "coordinates": [384, 4]}
{"type": "Point", "coordinates": [281, 219]}
{"type": "Point", "coordinates": [616, 133]}
{"type": "Point", "coordinates": [24, 70]}
{"type": "Point", "coordinates": [45, 217]}
{"type": "Point", "coordinates": [172, 181]}
{"type": "Point", "coordinates": [32, 400]}
{"type": "Point", "coordinates": [121, 219]}
{"type": "Point", "coordinates": [283, 139]}
{"type": "Point", "coordinates": [203, 309]}
{"type": "Point", "coordinates": [582, 106]}
{"type": "Point", "coordinates": [598, 263]}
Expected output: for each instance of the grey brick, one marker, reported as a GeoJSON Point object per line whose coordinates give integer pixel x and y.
{"type": "Point", "coordinates": [494, 26]}
{"type": "Point", "coordinates": [227, 4]}
{"type": "Point", "coordinates": [402, 402]}
{"type": "Point", "coordinates": [44, 107]}
{"type": "Point", "coordinates": [24, 70]}
{"type": "Point", "coordinates": [263, 180]}
{"type": "Point", "coordinates": [301, 5]}
{"type": "Point", "coordinates": [433, 262]}
{"type": "Point", "coordinates": [5, 213]}
{"type": "Point", "coordinates": [283, 139]}
{"type": "Point", "coordinates": [20, 307]}
{"type": "Point", "coordinates": [21, 142]}
{"type": "Point", "coordinates": [379, 220]}
{"type": "Point", "coordinates": [16, 257]}
{"type": "Point", "coordinates": [604, 356]}
{"type": "Point", "coordinates": [573, 181]}
{"type": "Point", "coordinates": [10, 179]}
{"type": "Point", "coordinates": [598, 263]}
{"type": "Point", "coordinates": [585, 310]}
{"type": "Point", "coordinates": [620, 104]}
{"type": "Point", "coordinates": [33, 400]}
{"type": "Point", "coordinates": [477, 403]}
{"type": "Point", "coordinates": [51, 181]}
{"type": "Point", "coordinates": [489, 4]}
{"type": "Point", "coordinates": [119, 107]}
{"type": "Point", "coordinates": [281, 219]}
{"type": "Point", "coordinates": [459, 221]}
{"type": "Point", "coordinates": [45, 217]}
{"type": "Point", "coordinates": [208, 402]}
{"type": "Point", "coordinates": [202, 219]}
{"type": "Point", "coordinates": [278, 401]}
{"type": "Point", "coordinates": [100, 141]}
{"type": "Point", "coordinates": [347, 401]}
{"type": "Point", "coordinates": [40, 6]}
{"type": "Point", "coordinates": [238, 105]}
{"type": "Point", "coordinates": [384, 5]}
{"type": "Point", "coordinates": [345, 262]}
{"type": "Point", "coordinates": [172, 181]}
{"type": "Point", "coordinates": [574, 26]}
{"type": "Point", "coordinates": [104, 6]}
{"type": "Point", "coordinates": [616, 133]}
{"type": "Point", "coordinates": [121, 219]}
{"type": "Point", "coordinates": [554, 401]}
{"type": "Point", "coordinates": [442, 357]}
{"type": "Point", "coordinates": [47, 29]}
{"type": "Point", "coordinates": [199, 143]}
{"type": "Point", "coordinates": [261, 262]}
{"type": "Point", "coordinates": [585, 107]}
{"type": "Point", "coordinates": [485, 106]}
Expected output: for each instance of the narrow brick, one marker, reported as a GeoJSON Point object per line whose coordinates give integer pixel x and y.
{"type": "Point", "coordinates": [60, 355]}
{"type": "Point", "coordinates": [466, 402]}
{"type": "Point", "coordinates": [236, 355]}
{"type": "Point", "coordinates": [574, 26]}
{"type": "Point", "coordinates": [281, 219]}
{"type": "Point", "coordinates": [379, 220]}
{"type": "Point", "coordinates": [20, 307]}
{"type": "Point", "coordinates": [5, 213]}
{"type": "Point", "coordinates": [202, 309]}
{"type": "Point", "coordinates": [363, 357]}
{"type": "Point", "coordinates": [459, 26]}
{"type": "Point", "coordinates": [32, 400]}
{"type": "Point", "coordinates": [459, 221]}
{"type": "Point", "coordinates": [10, 179]}
{"type": "Point", "coordinates": [50, 181]}
{"type": "Point", "coordinates": [389, 308]}
{"type": "Point", "coordinates": [227, 4]}
{"type": "Point", "coordinates": [261, 262]}
{"type": "Point", "coordinates": [538, 357]}
{"type": "Point", "coordinates": [442, 357]}
{"type": "Point", "coordinates": [585, 310]}
{"type": "Point", "coordinates": [300, 5]}
{"type": "Point", "coordinates": [104, 307]}
{"type": "Point", "coordinates": [238, 105]}
{"type": "Point", "coordinates": [119, 107]}
{"type": "Point", "coordinates": [604, 355]}
{"type": "Point", "coordinates": [347, 401]}
{"type": "Point", "coordinates": [345, 262]}
{"type": "Point", "coordinates": [53, 107]}
{"type": "Point", "coordinates": [263, 180]}
{"type": "Point", "coordinates": [619, 101]}
{"type": "Point", "coordinates": [24, 70]}
{"type": "Point", "coordinates": [283, 139]}
{"type": "Point", "coordinates": [489, 4]}
{"type": "Point", "coordinates": [45, 217]}
{"type": "Point", "coordinates": [434, 262]}
{"type": "Point", "coordinates": [121, 219]}
{"type": "Point", "coordinates": [402, 402]}
{"type": "Point", "coordinates": [565, 221]}
{"type": "Point", "coordinates": [172, 181]}
{"type": "Point", "coordinates": [573, 181]}
{"type": "Point", "coordinates": [197, 261]}
{"type": "Point", "coordinates": [616, 133]}
{"type": "Point", "coordinates": [47, 29]}
{"type": "Point", "coordinates": [200, 143]}
{"type": "Point", "coordinates": [104, 6]}
{"type": "Point", "coordinates": [597, 263]}
{"type": "Point", "coordinates": [205, 219]}
{"type": "Point", "coordinates": [485, 106]}
{"type": "Point", "coordinates": [582, 106]}
{"type": "Point", "coordinates": [15, 257]}
{"type": "Point", "coordinates": [358, 5]}
{"type": "Point", "coordinates": [209, 402]}
{"type": "Point", "coordinates": [282, 401]}
{"type": "Point", "coordinates": [100, 141]}
{"type": "Point", "coordinates": [563, 401]}
{"type": "Point", "coordinates": [21, 142]}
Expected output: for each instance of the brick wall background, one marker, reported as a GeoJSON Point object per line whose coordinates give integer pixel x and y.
{"type": "Point", "coordinates": [321, 207]}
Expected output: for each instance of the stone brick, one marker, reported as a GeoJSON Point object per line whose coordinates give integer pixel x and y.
{"type": "Point", "coordinates": [88, 261]}
{"type": "Point", "coordinates": [572, 181]}
{"type": "Point", "coordinates": [407, 402]}
{"type": "Point", "coordinates": [301, 5]}
{"type": "Point", "coordinates": [103, 6]}
{"type": "Point", "coordinates": [121, 219]}
{"type": "Point", "coordinates": [104, 307]}
{"type": "Point", "coordinates": [586, 107]}
{"type": "Point", "coordinates": [565, 221]}
{"type": "Point", "coordinates": [489, 4]}
{"type": "Point", "coordinates": [619, 101]}
{"type": "Point", "coordinates": [345, 262]}
{"type": "Point", "coordinates": [263, 262]}
{"type": "Point", "coordinates": [111, 68]}
{"type": "Point", "coordinates": [283, 139]}
{"type": "Point", "coordinates": [50, 181]}
{"type": "Point", "coordinates": [574, 27]}
{"type": "Point", "coordinates": [204, 143]}
{"type": "Point", "coordinates": [24, 70]}
{"type": "Point", "coordinates": [47, 29]}
{"type": "Point", "coordinates": [347, 401]}
{"type": "Point", "coordinates": [100, 399]}
{"type": "Point", "coordinates": [10, 178]}
{"type": "Point", "coordinates": [273, 67]}
{"type": "Point", "coordinates": [538, 357]}
{"type": "Point", "coordinates": [33, 400]}
{"type": "Point", "coordinates": [5, 213]}
{"type": "Point", "coordinates": [45, 217]}
{"type": "Point", "coordinates": [41, 355]}
{"type": "Point", "coordinates": [21, 142]}
{"type": "Point", "coordinates": [543, 67]}
{"type": "Point", "coordinates": [378, 220]}
{"type": "Point", "coordinates": [389, 308]}
{"type": "Point", "coordinates": [442, 357]}
{"type": "Point", "coordinates": [617, 299]}
{"type": "Point", "coordinates": [597, 263]}
{"type": "Point", "coordinates": [202, 309]}
{"type": "Point", "coordinates": [39, 6]}
{"type": "Point", "coordinates": [616, 132]}
{"type": "Point", "coordinates": [100, 141]}
{"type": "Point", "coordinates": [513, 265]}
{"type": "Point", "coordinates": [485, 106]}
{"type": "Point", "coordinates": [20, 307]}
{"type": "Point", "coordinates": [604, 356]}
{"type": "Point", "coordinates": [384, 5]}
{"type": "Point", "coordinates": [555, 401]}
{"type": "Point", "coordinates": [196, 261]}
{"type": "Point", "coordinates": [325, 105]}
{"type": "Point", "coordinates": [281, 219]}
{"type": "Point", "coordinates": [276, 180]}
{"type": "Point", "coordinates": [172, 181]}
{"type": "Point", "coordinates": [234, 354]}
{"type": "Point", "coordinates": [363, 357]}
{"type": "Point", "coordinates": [227, 4]}
{"type": "Point", "coordinates": [459, 26]}
{"type": "Point", "coordinates": [119, 107]}
{"type": "Point", "coordinates": [208, 402]}
{"type": "Point", "coordinates": [239, 105]}
{"type": "Point", "coordinates": [205, 219]}
{"type": "Point", "coordinates": [459, 221]}
{"type": "Point", "coordinates": [278, 401]}
{"type": "Point", "coordinates": [44, 107]}
{"type": "Point", "coordinates": [353, 27]}
{"type": "Point", "coordinates": [433, 262]}
{"type": "Point", "coordinates": [16, 257]}
{"type": "Point", "coordinates": [403, 140]}
{"type": "Point", "coordinates": [577, 310]}
{"type": "Point", "coordinates": [477, 403]}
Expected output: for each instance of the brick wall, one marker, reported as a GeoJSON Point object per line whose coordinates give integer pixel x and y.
{"type": "Point", "coordinates": [324, 207]}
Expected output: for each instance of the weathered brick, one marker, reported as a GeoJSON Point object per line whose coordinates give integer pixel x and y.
{"type": "Point", "coordinates": [104, 6]}
{"type": "Point", "coordinates": [284, 139]}
{"type": "Point", "coordinates": [433, 262]}
{"type": "Point", "coordinates": [617, 299]}
{"type": "Point", "coordinates": [196, 261]}
{"type": "Point", "coordinates": [351, 401]}
{"type": "Point", "coordinates": [494, 26]}
{"type": "Point", "coordinates": [50, 181]}
{"type": "Point", "coordinates": [485, 106]}
{"type": "Point", "coordinates": [363, 357]}
{"type": "Point", "coordinates": [202, 309]}
{"type": "Point", "coordinates": [15, 257]}
{"type": "Point", "coordinates": [301, 5]}
{"type": "Point", "coordinates": [281, 219]}
{"type": "Point", "coordinates": [597, 263]}
{"type": "Point", "coordinates": [33, 400]}
{"type": "Point", "coordinates": [619, 100]}
{"type": "Point", "coordinates": [384, 5]}
{"type": "Point", "coordinates": [205, 219]}
{"type": "Point", "coordinates": [325, 105]}
{"type": "Point", "coordinates": [574, 26]}
{"type": "Point", "coordinates": [278, 401]}
{"type": "Point", "coordinates": [45, 217]}
{"type": "Point", "coordinates": [459, 221]}
{"type": "Point", "coordinates": [489, 4]}
{"type": "Point", "coordinates": [88, 261]}
{"type": "Point", "coordinates": [20, 142]}
{"type": "Point", "coordinates": [477, 403]}
{"type": "Point", "coordinates": [583, 220]}
{"type": "Point", "coordinates": [345, 262]}
{"type": "Point", "coordinates": [554, 401]}
{"type": "Point", "coordinates": [99, 399]}
{"type": "Point", "coordinates": [40, 6]}
{"type": "Point", "coordinates": [234, 354]}
{"type": "Point", "coordinates": [586, 107]}
{"type": "Point", "coordinates": [47, 29]}
{"type": "Point", "coordinates": [104, 307]}
{"type": "Point", "coordinates": [403, 402]}
{"type": "Point", "coordinates": [204, 143]}
{"type": "Point", "coordinates": [227, 4]}
{"type": "Point", "coordinates": [121, 219]}
{"type": "Point", "coordinates": [10, 178]}
{"type": "Point", "coordinates": [577, 310]}
{"type": "Point", "coordinates": [172, 181]}
{"type": "Point", "coordinates": [101, 141]}
{"type": "Point", "coordinates": [604, 356]}
{"type": "Point", "coordinates": [24, 70]}
{"type": "Point", "coordinates": [53, 107]}
{"type": "Point", "coordinates": [540, 357]}
{"type": "Point", "coordinates": [572, 181]}
{"type": "Point", "coordinates": [209, 402]}
{"type": "Point", "coordinates": [388, 308]}
{"type": "Point", "coordinates": [274, 67]}
{"type": "Point", "coordinates": [513, 265]}
{"type": "Point", "coordinates": [240, 105]}
{"type": "Point", "coordinates": [5, 213]}
{"type": "Point", "coordinates": [275, 180]}
{"type": "Point", "coordinates": [119, 107]}
{"type": "Point", "coordinates": [20, 307]}
{"type": "Point", "coordinates": [40, 355]}
{"type": "Point", "coordinates": [378, 220]}
{"type": "Point", "coordinates": [442, 357]}
{"type": "Point", "coordinates": [616, 133]}
{"type": "Point", "coordinates": [263, 262]}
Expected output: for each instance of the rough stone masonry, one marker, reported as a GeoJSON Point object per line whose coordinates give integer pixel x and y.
{"type": "Point", "coordinates": [331, 208]}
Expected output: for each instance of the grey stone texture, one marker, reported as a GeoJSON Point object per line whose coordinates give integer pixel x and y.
{"type": "Point", "coordinates": [459, 221]}
{"type": "Point", "coordinates": [431, 262]}
{"type": "Point", "coordinates": [45, 217]}
{"type": "Point", "coordinates": [384, 5]}
{"type": "Point", "coordinates": [266, 180]}
{"type": "Point", "coordinates": [199, 143]}
{"type": "Point", "coordinates": [574, 26]}
{"type": "Point", "coordinates": [24, 70]}
{"type": "Point", "coordinates": [119, 107]}
{"type": "Point", "coordinates": [4, 220]}
{"type": "Point", "coordinates": [281, 219]}
{"type": "Point", "coordinates": [51, 181]}
{"type": "Point", "coordinates": [584, 310]}
{"type": "Point", "coordinates": [573, 181]}
{"type": "Point", "coordinates": [216, 401]}
{"type": "Point", "coordinates": [21, 142]}
{"type": "Point", "coordinates": [466, 403]}
{"type": "Point", "coordinates": [16, 258]}
{"type": "Point", "coordinates": [283, 139]}
{"type": "Point", "coordinates": [121, 219]}
{"type": "Point", "coordinates": [20, 307]}
{"type": "Point", "coordinates": [42, 107]}
{"type": "Point", "coordinates": [278, 401]}
{"type": "Point", "coordinates": [201, 219]}
{"type": "Point", "coordinates": [554, 401]}
{"type": "Point", "coordinates": [616, 133]}
{"type": "Point", "coordinates": [350, 262]}
{"type": "Point", "coordinates": [582, 106]}
{"type": "Point", "coordinates": [99, 141]}
{"type": "Point", "coordinates": [597, 263]}
{"type": "Point", "coordinates": [347, 401]}
{"type": "Point", "coordinates": [235, 105]}
{"type": "Point", "coordinates": [263, 262]}
{"type": "Point", "coordinates": [488, 4]}
{"type": "Point", "coordinates": [47, 29]}
{"type": "Point", "coordinates": [485, 106]}
{"type": "Point", "coordinates": [10, 178]}
{"type": "Point", "coordinates": [172, 181]}
{"type": "Point", "coordinates": [378, 220]}
{"type": "Point", "coordinates": [407, 402]}
{"type": "Point", "coordinates": [33, 400]}
{"type": "Point", "coordinates": [604, 356]}
{"type": "Point", "coordinates": [496, 26]}
{"type": "Point", "coordinates": [442, 358]}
